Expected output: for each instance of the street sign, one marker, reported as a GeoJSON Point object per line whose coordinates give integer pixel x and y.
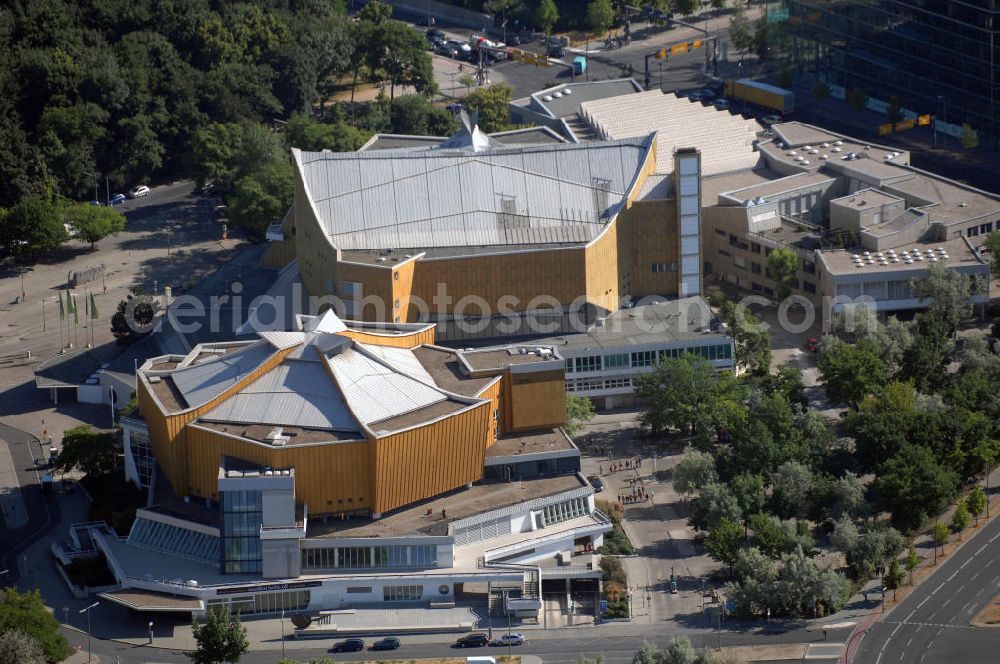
{"type": "Point", "coordinates": [604, 606]}
{"type": "Point", "coordinates": [904, 124]}
{"type": "Point", "coordinates": [679, 48]}
{"type": "Point", "coordinates": [924, 120]}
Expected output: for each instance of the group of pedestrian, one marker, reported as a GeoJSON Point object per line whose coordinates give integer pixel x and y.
{"type": "Point", "coordinates": [627, 464]}
{"type": "Point", "coordinates": [637, 494]}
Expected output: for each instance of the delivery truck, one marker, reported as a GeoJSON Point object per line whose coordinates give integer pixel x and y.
{"type": "Point", "coordinates": [761, 94]}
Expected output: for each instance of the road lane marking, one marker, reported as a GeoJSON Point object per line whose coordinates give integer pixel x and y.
{"type": "Point", "coordinates": [923, 602]}
{"type": "Point", "coordinates": [980, 549]}
{"type": "Point", "coordinates": [934, 592]}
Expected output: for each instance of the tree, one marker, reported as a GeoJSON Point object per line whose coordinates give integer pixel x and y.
{"type": "Point", "coordinates": [679, 651]}
{"type": "Point", "coordinates": [225, 153]}
{"type": "Point", "coordinates": [893, 577]}
{"type": "Point", "coordinates": [713, 504]}
{"type": "Point", "coordinates": [134, 315]}
{"type": "Point", "coordinates": [337, 136]}
{"type": "Point", "coordinates": [32, 227]}
{"type": "Point", "coordinates": [924, 362]}
{"type": "Point", "coordinates": [579, 411]}
{"type": "Point", "coordinates": [893, 111]}
{"type": "Point", "coordinates": [493, 105]}
{"type": "Point", "coordinates": [949, 292]}
{"type": "Point", "coordinates": [693, 472]}
{"type": "Point", "coordinates": [750, 337]}
{"type": "Point", "coordinates": [20, 648]}
{"type": "Point", "coordinates": [848, 497]}
{"type": "Point", "coordinates": [845, 535]}
{"type": "Point", "coordinates": [416, 115]}
{"type": "Point", "coordinates": [719, 5]}
{"type": "Point", "coordinates": [857, 98]}
{"type": "Point", "coordinates": [261, 199]}
{"type": "Point", "coordinates": [221, 638]}
{"type": "Point", "coordinates": [687, 394]}
{"type": "Point", "coordinates": [740, 33]}
{"type": "Point", "coordinates": [992, 245]}
{"type": "Point", "coordinates": [770, 535]}
{"type": "Point", "coordinates": [882, 423]}
{"type": "Point", "coordinates": [792, 483]}
{"type": "Point", "coordinates": [748, 489]}
{"type": "Point", "coordinates": [960, 519]}
{"type": "Point", "coordinates": [723, 541]}
{"type": "Point", "coordinates": [600, 15]}
{"type": "Point", "coordinates": [912, 561]}
{"type": "Point", "coordinates": [969, 138]}
{"type": "Point", "coordinates": [397, 54]}
{"type": "Point", "coordinates": [976, 502]}
{"type": "Point", "coordinates": [913, 485]}
{"type": "Point", "coordinates": [782, 267]}
{"type": "Point", "coordinates": [546, 15]}
{"type": "Point", "coordinates": [821, 91]}
{"type": "Point", "coordinates": [467, 81]}
{"type": "Point", "coordinates": [684, 7]}
{"type": "Point", "coordinates": [851, 371]}
{"type": "Point", "coordinates": [26, 614]}
{"type": "Point", "coordinates": [375, 12]}
{"type": "Point", "coordinates": [93, 223]}
{"type": "Point", "coordinates": [89, 451]}
{"type": "Point", "coordinates": [940, 533]}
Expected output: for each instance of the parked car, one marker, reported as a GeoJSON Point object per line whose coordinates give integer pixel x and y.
{"type": "Point", "coordinates": [596, 482]}
{"type": "Point", "coordinates": [139, 192]}
{"type": "Point", "coordinates": [388, 643]}
{"type": "Point", "coordinates": [769, 120]}
{"type": "Point", "coordinates": [436, 35]}
{"type": "Point", "coordinates": [721, 103]}
{"type": "Point", "coordinates": [454, 108]}
{"type": "Point", "coordinates": [349, 645]}
{"type": "Point", "coordinates": [474, 640]}
{"type": "Point", "coordinates": [694, 95]}
{"type": "Point", "coordinates": [512, 639]}
{"type": "Point", "coordinates": [117, 199]}
{"type": "Point", "coordinates": [446, 49]}
{"type": "Point", "coordinates": [812, 345]}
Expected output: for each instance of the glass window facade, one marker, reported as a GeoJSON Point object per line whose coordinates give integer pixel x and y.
{"type": "Point", "coordinates": [936, 57]}
{"type": "Point", "coordinates": [180, 542]}
{"type": "Point", "coordinates": [241, 521]}
{"type": "Point", "coordinates": [139, 447]}
{"type": "Point", "coordinates": [402, 593]}
{"type": "Point", "coordinates": [564, 511]}
{"type": "Point", "coordinates": [292, 600]}
{"type": "Point", "coordinates": [359, 557]}
{"type": "Point", "coordinates": [618, 361]}
{"type": "Point", "coordinates": [644, 358]}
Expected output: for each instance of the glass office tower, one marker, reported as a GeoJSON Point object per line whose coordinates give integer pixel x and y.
{"type": "Point", "coordinates": [937, 56]}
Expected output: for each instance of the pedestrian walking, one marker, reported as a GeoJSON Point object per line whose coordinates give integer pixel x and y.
{"type": "Point", "coordinates": [600, 469]}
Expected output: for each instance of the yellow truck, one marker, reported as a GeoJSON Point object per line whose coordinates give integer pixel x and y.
{"type": "Point", "coordinates": [761, 94]}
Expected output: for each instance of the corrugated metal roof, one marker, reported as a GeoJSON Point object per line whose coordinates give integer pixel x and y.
{"type": "Point", "coordinates": [726, 141]}
{"type": "Point", "coordinates": [446, 198]}
{"type": "Point", "coordinates": [374, 391]}
{"type": "Point", "coordinates": [282, 340]}
{"type": "Point", "coordinates": [402, 359]}
{"type": "Point", "coordinates": [204, 381]}
{"type": "Point", "coordinates": [295, 393]}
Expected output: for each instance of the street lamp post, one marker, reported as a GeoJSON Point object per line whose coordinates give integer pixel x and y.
{"type": "Point", "coordinates": [87, 610]}
{"type": "Point", "coordinates": [150, 632]}
{"type": "Point", "coordinates": [282, 634]}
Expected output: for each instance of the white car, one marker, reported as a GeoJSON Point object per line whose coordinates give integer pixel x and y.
{"type": "Point", "coordinates": [141, 190]}
{"type": "Point", "coordinates": [512, 639]}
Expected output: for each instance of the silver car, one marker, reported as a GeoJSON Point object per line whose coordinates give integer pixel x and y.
{"type": "Point", "coordinates": [512, 639]}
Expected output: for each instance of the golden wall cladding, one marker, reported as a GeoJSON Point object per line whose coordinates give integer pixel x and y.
{"type": "Point", "coordinates": [430, 459]}
{"type": "Point", "coordinates": [493, 393]}
{"type": "Point", "coordinates": [652, 236]}
{"type": "Point", "coordinates": [329, 478]}
{"type": "Point", "coordinates": [393, 341]}
{"type": "Point", "coordinates": [538, 405]}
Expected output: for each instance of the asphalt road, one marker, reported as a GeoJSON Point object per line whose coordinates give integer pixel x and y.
{"type": "Point", "coordinates": [932, 625]}
{"type": "Point", "coordinates": [43, 513]}
{"type": "Point", "coordinates": [564, 650]}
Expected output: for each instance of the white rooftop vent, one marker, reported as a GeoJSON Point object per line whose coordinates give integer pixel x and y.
{"type": "Point", "coordinates": [895, 154]}
{"type": "Point", "coordinates": [868, 147]}
{"type": "Point", "coordinates": [918, 258]}
{"type": "Point", "coordinates": [792, 153]}
{"type": "Point", "coordinates": [824, 157]}
{"type": "Point", "coordinates": [805, 162]}
{"type": "Point", "coordinates": [838, 142]}
{"type": "Point", "coordinates": [932, 259]}
{"type": "Point", "coordinates": [962, 204]}
{"type": "Point", "coordinates": [748, 203]}
{"type": "Point", "coordinates": [868, 253]}
{"type": "Point", "coordinates": [908, 261]}
{"type": "Point", "coordinates": [825, 145]}
{"type": "Point", "coordinates": [807, 147]}
{"type": "Point", "coordinates": [814, 151]}
{"type": "Point", "coordinates": [547, 98]}
{"type": "Point", "coordinates": [944, 257]}
{"type": "Point", "coordinates": [557, 95]}
{"type": "Point", "coordinates": [835, 150]}
{"type": "Point", "coordinates": [855, 257]}
{"type": "Point", "coordinates": [567, 91]}
{"type": "Point", "coordinates": [380, 259]}
{"type": "Point", "coordinates": [888, 157]}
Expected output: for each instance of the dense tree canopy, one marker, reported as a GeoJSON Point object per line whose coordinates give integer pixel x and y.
{"type": "Point", "coordinates": [27, 614]}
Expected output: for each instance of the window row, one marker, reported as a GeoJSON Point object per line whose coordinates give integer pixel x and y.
{"type": "Point", "coordinates": [982, 229]}
{"type": "Point", "coordinates": [564, 511]}
{"type": "Point", "coordinates": [292, 600]}
{"type": "Point", "coordinates": [241, 501]}
{"type": "Point", "coordinates": [643, 358]}
{"type": "Point", "coordinates": [665, 267]}
{"type": "Point", "coordinates": [423, 555]}
{"type": "Point", "coordinates": [402, 593]}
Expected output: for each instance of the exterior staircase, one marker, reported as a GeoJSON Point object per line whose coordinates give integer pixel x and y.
{"type": "Point", "coordinates": [583, 131]}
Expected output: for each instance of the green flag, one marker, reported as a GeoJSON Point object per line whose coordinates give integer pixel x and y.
{"type": "Point", "coordinates": [62, 309]}
{"type": "Point", "coordinates": [93, 307]}
{"type": "Point", "coordinates": [73, 308]}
